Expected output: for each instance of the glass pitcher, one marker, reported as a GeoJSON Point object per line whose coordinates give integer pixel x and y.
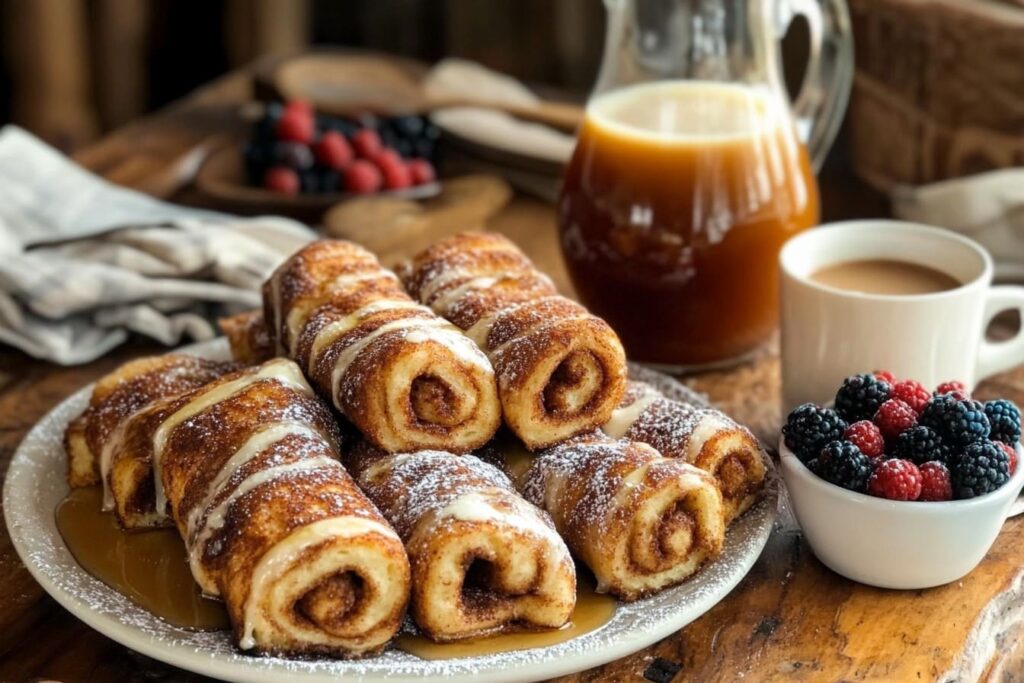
{"type": "Point", "coordinates": [691, 169]}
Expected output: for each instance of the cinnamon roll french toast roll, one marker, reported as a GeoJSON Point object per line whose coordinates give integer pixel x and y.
{"type": "Point", "coordinates": [561, 371]}
{"type": "Point", "coordinates": [640, 521]}
{"type": "Point", "coordinates": [119, 394]}
{"type": "Point", "coordinates": [248, 337]}
{"type": "Point", "coordinates": [483, 559]}
{"type": "Point", "coordinates": [407, 379]}
{"type": "Point", "coordinates": [702, 436]}
{"type": "Point", "coordinates": [273, 524]}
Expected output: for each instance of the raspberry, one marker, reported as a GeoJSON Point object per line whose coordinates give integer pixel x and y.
{"type": "Point", "coordinates": [295, 127]}
{"type": "Point", "coordinates": [841, 463]}
{"type": "Point", "coordinates": [422, 171]}
{"type": "Point", "coordinates": [935, 483]}
{"type": "Point", "coordinates": [1004, 418]}
{"type": "Point", "coordinates": [367, 143]}
{"type": "Point", "coordinates": [885, 376]}
{"type": "Point", "coordinates": [362, 177]}
{"type": "Point", "coordinates": [866, 436]}
{"type": "Point", "coordinates": [396, 177]}
{"type": "Point", "coordinates": [919, 444]}
{"type": "Point", "coordinates": [896, 480]}
{"type": "Point", "coordinates": [281, 179]}
{"type": "Point", "coordinates": [860, 396]}
{"type": "Point", "coordinates": [1011, 454]}
{"type": "Point", "coordinates": [955, 387]}
{"type": "Point", "coordinates": [893, 417]}
{"type": "Point", "coordinates": [809, 427]}
{"type": "Point", "coordinates": [299, 108]}
{"type": "Point", "coordinates": [333, 151]}
{"type": "Point", "coordinates": [912, 393]}
{"type": "Point", "coordinates": [982, 468]}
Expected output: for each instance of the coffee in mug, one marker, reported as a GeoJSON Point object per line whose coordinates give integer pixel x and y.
{"type": "Point", "coordinates": [879, 294]}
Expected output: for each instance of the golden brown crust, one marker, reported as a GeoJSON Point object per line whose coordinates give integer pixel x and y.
{"type": "Point", "coordinates": [561, 371]}
{"type": "Point", "coordinates": [118, 395]}
{"type": "Point", "coordinates": [273, 523]}
{"type": "Point", "coordinates": [704, 437]}
{"type": "Point", "coordinates": [483, 559]}
{"type": "Point", "coordinates": [406, 378]}
{"type": "Point", "coordinates": [640, 521]}
{"type": "Point", "coordinates": [248, 337]}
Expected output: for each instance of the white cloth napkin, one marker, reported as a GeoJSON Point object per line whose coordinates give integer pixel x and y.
{"type": "Point", "coordinates": [988, 207]}
{"type": "Point", "coordinates": [83, 262]}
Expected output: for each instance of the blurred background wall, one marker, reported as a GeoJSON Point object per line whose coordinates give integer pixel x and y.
{"type": "Point", "coordinates": [72, 69]}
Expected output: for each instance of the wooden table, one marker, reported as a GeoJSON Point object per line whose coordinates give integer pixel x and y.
{"type": "Point", "coordinates": [791, 618]}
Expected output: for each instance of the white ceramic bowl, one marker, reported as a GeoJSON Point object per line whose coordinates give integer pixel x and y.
{"type": "Point", "coordinates": [895, 544]}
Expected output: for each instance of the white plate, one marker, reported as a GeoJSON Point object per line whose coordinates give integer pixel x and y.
{"type": "Point", "coordinates": [36, 484]}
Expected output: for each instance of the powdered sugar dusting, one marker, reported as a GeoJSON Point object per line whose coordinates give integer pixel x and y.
{"type": "Point", "coordinates": [35, 484]}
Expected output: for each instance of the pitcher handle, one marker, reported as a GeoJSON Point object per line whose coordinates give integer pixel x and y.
{"type": "Point", "coordinates": [825, 91]}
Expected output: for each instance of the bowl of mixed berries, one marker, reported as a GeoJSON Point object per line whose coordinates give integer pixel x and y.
{"type": "Point", "coordinates": [898, 486]}
{"type": "Point", "coordinates": [297, 155]}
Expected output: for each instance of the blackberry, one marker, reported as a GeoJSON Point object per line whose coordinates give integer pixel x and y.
{"type": "Point", "coordinates": [1004, 418]}
{"type": "Point", "coordinates": [294, 155]}
{"type": "Point", "coordinates": [981, 468]}
{"type": "Point", "coordinates": [809, 428]}
{"type": "Point", "coordinates": [958, 423]}
{"type": "Point", "coordinates": [939, 410]}
{"type": "Point", "coordinates": [841, 463]}
{"type": "Point", "coordinates": [920, 444]}
{"type": "Point", "coordinates": [860, 396]}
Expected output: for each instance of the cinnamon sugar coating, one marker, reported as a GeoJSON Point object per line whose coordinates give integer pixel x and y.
{"type": "Point", "coordinates": [561, 371]}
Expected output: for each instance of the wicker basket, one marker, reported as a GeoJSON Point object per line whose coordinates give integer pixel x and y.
{"type": "Point", "coordinates": [939, 89]}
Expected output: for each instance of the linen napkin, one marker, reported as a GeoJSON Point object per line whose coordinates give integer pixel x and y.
{"type": "Point", "coordinates": [987, 207]}
{"type": "Point", "coordinates": [83, 263]}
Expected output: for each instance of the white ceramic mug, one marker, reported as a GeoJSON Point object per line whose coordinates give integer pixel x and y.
{"type": "Point", "coordinates": [829, 333]}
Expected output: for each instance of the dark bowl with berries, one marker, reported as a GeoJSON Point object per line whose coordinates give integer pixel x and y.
{"type": "Point", "coordinates": [901, 487]}
{"type": "Point", "coordinates": [298, 162]}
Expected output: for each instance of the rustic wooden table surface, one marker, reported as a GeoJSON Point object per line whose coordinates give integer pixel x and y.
{"type": "Point", "coordinates": [791, 618]}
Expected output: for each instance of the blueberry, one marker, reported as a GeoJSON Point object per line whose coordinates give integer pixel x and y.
{"type": "Point", "coordinates": [408, 126]}
{"type": "Point", "coordinates": [294, 155]}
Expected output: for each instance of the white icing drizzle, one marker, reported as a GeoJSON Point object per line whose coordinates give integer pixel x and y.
{"type": "Point", "coordinates": [436, 329]}
{"type": "Point", "coordinates": [479, 330]}
{"type": "Point", "coordinates": [330, 332]}
{"type": "Point", "coordinates": [441, 304]}
{"type": "Point", "coordinates": [442, 279]}
{"type": "Point", "coordinates": [478, 506]}
{"type": "Point", "coordinates": [383, 466]}
{"type": "Point", "coordinates": [709, 425]}
{"type": "Point", "coordinates": [283, 371]}
{"type": "Point", "coordinates": [281, 556]}
{"type": "Point", "coordinates": [623, 417]}
{"type": "Point", "coordinates": [493, 353]}
{"type": "Point", "coordinates": [298, 315]}
{"type": "Point", "coordinates": [218, 515]}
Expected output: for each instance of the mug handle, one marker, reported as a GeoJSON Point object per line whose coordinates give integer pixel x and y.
{"type": "Point", "coordinates": [821, 102]}
{"type": "Point", "coordinates": [995, 357]}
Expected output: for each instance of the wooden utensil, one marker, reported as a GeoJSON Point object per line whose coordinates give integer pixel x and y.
{"type": "Point", "coordinates": [395, 229]}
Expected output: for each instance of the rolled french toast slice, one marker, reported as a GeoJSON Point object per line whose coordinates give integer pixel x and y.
{"type": "Point", "coordinates": [248, 337]}
{"type": "Point", "coordinates": [120, 393]}
{"type": "Point", "coordinates": [561, 371]}
{"type": "Point", "coordinates": [273, 524]}
{"type": "Point", "coordinates": [641, 522]}
{"type": "Point", "coordinates": [702, 436]}
{"type": "Point", "coordinates": [406, 378]}
{"type": "Point", "coordinates": [484, 560]}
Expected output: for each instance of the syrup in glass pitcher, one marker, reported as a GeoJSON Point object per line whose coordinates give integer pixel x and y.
{"type": "Point", "coordinates": [691, 169]}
